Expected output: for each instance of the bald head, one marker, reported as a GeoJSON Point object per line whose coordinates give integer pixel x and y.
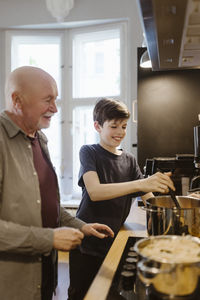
{"type": "Point", "coordinates": [25, 79]}
{"type": "Point", "coordinates": [31, 98]}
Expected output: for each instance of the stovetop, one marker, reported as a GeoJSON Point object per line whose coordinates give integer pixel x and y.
{"type": "Point", "coordinates": [128, 268]}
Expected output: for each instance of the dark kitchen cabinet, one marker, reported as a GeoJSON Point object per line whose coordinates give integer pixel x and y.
{"type": "Point", "coordinates": [168, 110]}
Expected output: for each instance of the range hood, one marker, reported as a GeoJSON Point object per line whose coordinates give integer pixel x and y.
{"type": "Point", "coordinates": [172, 32]}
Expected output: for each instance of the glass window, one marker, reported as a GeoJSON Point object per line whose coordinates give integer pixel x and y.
{"type": "Point", "coordinates": [38, 51]}
{"type": "Point", "coordinates": [96, 64]}
{"type": "Point", "coordinates": [95, 55]}
{"type": "Point", "coordinates": [96, 58]}
{"type": "Point", "coordinates": [83, 133]}
{"type": "Point", "coordinates": [54, 140]}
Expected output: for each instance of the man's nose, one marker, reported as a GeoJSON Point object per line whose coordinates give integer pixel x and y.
{"type": "Point", "coordinates": [53, 107]}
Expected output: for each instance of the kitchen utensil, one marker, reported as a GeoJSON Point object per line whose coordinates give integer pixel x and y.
{"type": "Point", "coordinates": [163, 218]}
{"type": "Point", "coordinates": [173, 196]}
{"type": "Point", "coordinates": [165, 274]}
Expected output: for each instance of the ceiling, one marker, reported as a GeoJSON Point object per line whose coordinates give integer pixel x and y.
{"type": "Point", "coordinates": [172, 32]}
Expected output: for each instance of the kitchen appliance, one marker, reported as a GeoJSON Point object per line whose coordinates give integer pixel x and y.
{"type": "Point", "coordinates": [195, 182]}
{"type": "Point", "coordinates": [197, 146]}
{"type": "Point", "coordinates": [171, 29]}
{"type": "Point", "coordinates": [182, 168]}
{"type": "Point", "coordinates": [163, 218]}
{"type": "Point", "coordinates": [140, 290]}
{"type": "Point", "coordinates": [170, 263]}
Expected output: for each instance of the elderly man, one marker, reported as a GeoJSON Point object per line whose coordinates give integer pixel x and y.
{"type": "Point", "coordinates": [30, 213]}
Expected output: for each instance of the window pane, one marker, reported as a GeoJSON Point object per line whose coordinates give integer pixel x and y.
{"type": "Point", "coordinates": [54, 140]}
{"type": "Point", "coordinates": [83, 133]}
{"type": "Point", "coordinates": [96, 64]}
{"type": "Point", "coordinates": [38, 51]}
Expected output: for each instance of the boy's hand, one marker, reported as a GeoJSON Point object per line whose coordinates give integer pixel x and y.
{"type": "Point", "coordinates": [158, 182]}
{"type": "Point", "coordinates": [99, 230]}
{"type": "Point", "coordinates": [194, 195]}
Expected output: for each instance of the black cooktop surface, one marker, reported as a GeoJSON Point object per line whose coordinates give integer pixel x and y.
{"type": "Point", "coordinates": [126, 274]}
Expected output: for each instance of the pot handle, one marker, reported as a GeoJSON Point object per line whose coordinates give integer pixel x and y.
{"type": "Point", "coordinates": [147, 274]}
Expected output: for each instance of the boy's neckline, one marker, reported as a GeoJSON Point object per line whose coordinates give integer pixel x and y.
{"type": "Point", "coordinates": [117, 153]}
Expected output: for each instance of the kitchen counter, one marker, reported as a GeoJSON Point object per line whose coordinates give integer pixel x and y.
{"type": "Point", "coordinates": [135, 226]}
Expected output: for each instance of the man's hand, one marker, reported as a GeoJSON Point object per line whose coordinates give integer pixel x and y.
{"type": "Point", "coordinates": [99, 230]}
{"type": "Point", "coordinates": [66, 238]}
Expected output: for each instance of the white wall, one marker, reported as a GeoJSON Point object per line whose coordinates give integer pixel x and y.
{"type": "Point", "coordinates": [24, 12]}
{"type": "Point", "coordinates": [14, 13]}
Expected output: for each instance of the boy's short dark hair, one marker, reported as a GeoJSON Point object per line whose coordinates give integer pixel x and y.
{"type": "Point", "coordinates": [109, 109]}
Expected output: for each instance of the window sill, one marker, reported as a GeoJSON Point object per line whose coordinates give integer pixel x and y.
{"type": "Point", "coordinates": [73, 203]}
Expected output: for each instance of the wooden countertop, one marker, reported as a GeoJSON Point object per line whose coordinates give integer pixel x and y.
{"type": "Point", "coordinates": [135, 226]}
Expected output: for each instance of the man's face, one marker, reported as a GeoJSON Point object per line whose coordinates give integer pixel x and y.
{"type": "Point", "coordinates": [39, 106]}
{"type": "Point", "coordinates": [112, 133]}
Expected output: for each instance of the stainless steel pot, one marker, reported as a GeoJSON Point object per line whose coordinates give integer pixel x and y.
{"type": "Point", "coordinates": [163, 218]}
{"type": "Point", "coordinates": [168, 277]}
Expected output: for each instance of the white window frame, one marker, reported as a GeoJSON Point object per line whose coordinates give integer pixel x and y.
{"type": "Point", "coordinates": [38, 33]}
{"type": "Point", "coordinates": [25, 32]}
{"type": "Point", "coordinates": [75, 102]}
{"type": "Point", "coordinates": [66, 101]}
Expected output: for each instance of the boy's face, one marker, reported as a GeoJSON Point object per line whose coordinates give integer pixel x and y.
{"type": "Point", "coordinates": [111, 133]}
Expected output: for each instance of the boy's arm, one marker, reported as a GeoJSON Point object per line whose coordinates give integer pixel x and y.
{"type": "Point", "coordinates": [97, 191]}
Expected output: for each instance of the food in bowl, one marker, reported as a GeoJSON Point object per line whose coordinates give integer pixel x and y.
{"type": "Point", "coordinates": [170, 263]}
{"type": "Point", "coordinates": [172, 250]}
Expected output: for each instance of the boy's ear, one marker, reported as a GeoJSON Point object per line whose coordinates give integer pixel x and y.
{"type": "Point", "coordinates": [97, 126]}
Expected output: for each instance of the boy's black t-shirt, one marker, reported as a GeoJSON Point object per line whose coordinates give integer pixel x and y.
{"type": "Point", "coordinates": [110, 168]}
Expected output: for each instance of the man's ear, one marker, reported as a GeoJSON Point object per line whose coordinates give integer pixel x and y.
{"type": "Point", "coordinates": [16, 99]}
{"type": "Point", "coordinates": [97, 126]}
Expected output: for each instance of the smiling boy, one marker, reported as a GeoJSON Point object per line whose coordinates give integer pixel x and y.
{"type": "Point", "coordinates": [109, 178]}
